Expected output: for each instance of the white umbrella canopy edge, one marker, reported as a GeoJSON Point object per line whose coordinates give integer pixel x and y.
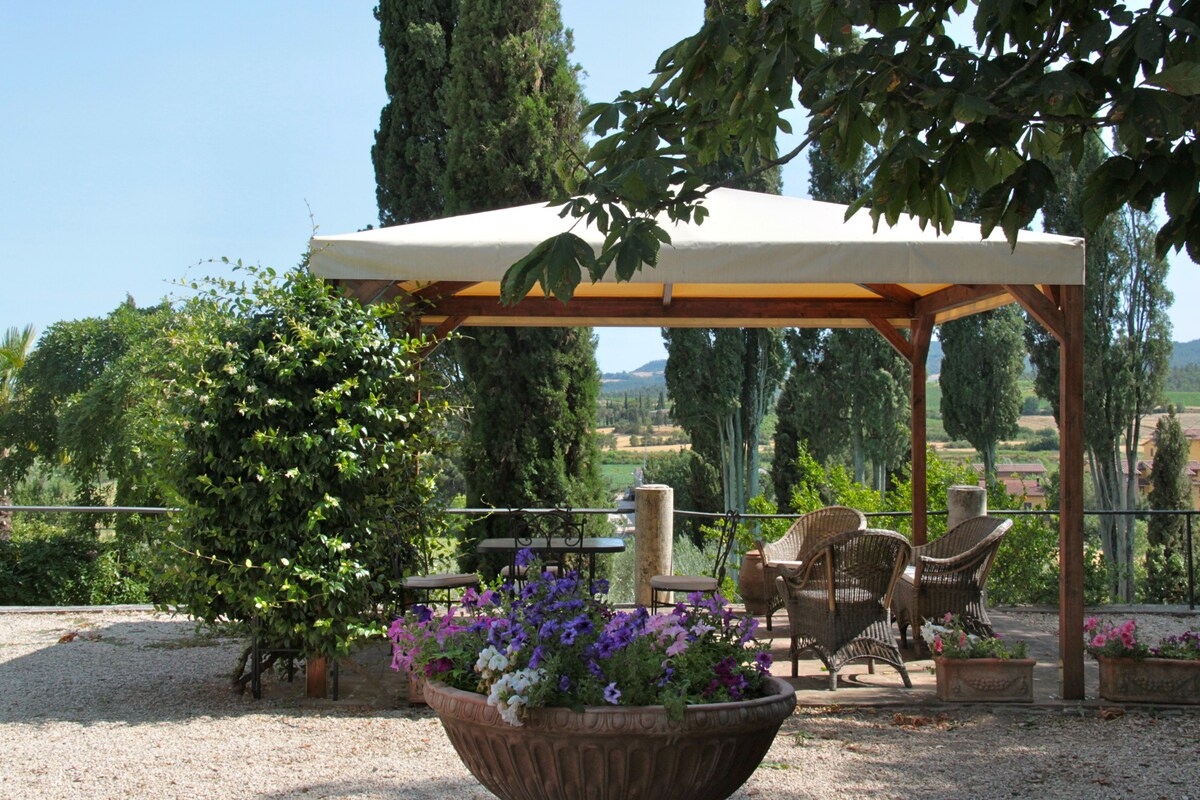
{"type": "Point", "coordinates": [748, 238]}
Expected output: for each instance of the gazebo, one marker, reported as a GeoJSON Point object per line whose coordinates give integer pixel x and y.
{"type": "Point", "coordinates": [762, 260]}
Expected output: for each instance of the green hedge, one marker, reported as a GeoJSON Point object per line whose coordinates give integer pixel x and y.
{"type": "Point", "coordinates": [47, 565]}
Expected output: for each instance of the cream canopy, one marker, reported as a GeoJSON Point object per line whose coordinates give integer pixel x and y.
{"type": "Point", "coordinates": [760, 261]}
{"type": "Point", "coordinates": [757, 259]}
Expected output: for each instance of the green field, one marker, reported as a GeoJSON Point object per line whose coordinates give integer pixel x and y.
{"type": "Point", "coordinates": [1184, 400]}
{"type": "Point", "coordinates": [617, 477]}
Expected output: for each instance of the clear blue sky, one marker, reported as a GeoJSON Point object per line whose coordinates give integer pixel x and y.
{"type": "Point", "coordinates": [139, 139]}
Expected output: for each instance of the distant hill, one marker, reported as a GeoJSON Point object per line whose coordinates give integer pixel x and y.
{"type": "Point", "coordinates": [1185, 353]}
{"type": "Point", "coordinates": [647, 377]}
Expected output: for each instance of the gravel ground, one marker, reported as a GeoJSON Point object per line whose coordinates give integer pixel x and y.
{"type": "Point", "coordinates": [136, 705]}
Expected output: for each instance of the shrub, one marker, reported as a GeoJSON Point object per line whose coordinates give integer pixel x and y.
{"type": "Point", "coordinates": [294, 431]}
{"type": "Point", "coordinates": [1044, 440]}
{"type": "Point", "coordinates": [1026, 568]}
{"type": "Point", "coordinates": [47, 564]}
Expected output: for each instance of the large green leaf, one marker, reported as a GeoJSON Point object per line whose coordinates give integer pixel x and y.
{"type": "Point", "coordinates": [1181, 79]}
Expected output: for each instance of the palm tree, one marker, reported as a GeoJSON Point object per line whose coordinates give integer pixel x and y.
{"type": "Point", "coordinates": [14, 349]}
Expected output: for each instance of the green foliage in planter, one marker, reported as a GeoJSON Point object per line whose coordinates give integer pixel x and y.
{"type": "Point", "coordinates": [294, 426]}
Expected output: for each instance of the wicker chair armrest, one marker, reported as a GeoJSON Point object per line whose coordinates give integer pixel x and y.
{"type": "Point", "coordinates": [963, 560]}
{"type": "Point", "coordinates": [776, 551]}
{"type": "Point", "coordinates": [796, 574]}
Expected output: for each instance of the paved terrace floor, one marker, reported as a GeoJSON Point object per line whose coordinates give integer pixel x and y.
{"type": "Point", "coordinates": [367, 679]}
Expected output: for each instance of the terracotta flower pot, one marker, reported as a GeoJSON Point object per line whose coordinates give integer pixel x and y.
{"type": "Point", "coordinates": [751, 585]}
{"type": "Point", "coordinates": [985, 679]}
{"type": "Point", "coordinates": [1150, 680]}
{"type": "Point", "coordinates": [612, 752]}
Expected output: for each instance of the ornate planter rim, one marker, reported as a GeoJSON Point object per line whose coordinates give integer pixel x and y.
{"type": "Point", "coordinates": [1123, 660]}
{"type": "Point", "coordinates": [613, 752]}
{"type": "Point", "coordinates": [1021, 661]}
{"type": "Point", "coordinates": [601, 719]}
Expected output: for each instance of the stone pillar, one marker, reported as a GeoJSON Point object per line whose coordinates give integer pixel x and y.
{"type": "Point", "coordinates": [963, 503]}
{"type": "Point", "coordinates": [654, 523]}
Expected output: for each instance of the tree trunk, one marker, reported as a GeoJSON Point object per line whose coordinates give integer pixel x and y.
{"type": "Point", "coordinates": [989, 461]}
{"type": "Point", "coordinates": [860, 469]}
{"type": "Point", "coordinates": [1114, 534]}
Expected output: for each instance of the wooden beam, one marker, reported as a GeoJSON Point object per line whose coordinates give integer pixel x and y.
{"type": "Point", "coordinates": [649, 310]}
{"type": "Point", "coordinates": [666, 295]}
{"type": "Point", "coordinates": [1070, 507]}
{"type": "Point", "coordinates": [953, 297]}
{"type": "Point", "coordinates": [922, 331]}
{"type": "Point", "coordinates": [892, 291]}
{"type": "Point", "coordinates": [448, 327]}
{"type": "Point", "coordinates": [316, 676]}
{"type": "Point", "coordinates": [362, 291]}
{"type": "Point", "coordinates": [1041, 308]}
{"type": "Point", "coordinates": [443, 289]}
{"type": "Point", "coordinates": [431, 292]}
{"type": "Point", "coordinates": [889, 331]}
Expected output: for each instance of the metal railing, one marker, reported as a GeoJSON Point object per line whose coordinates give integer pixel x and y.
{"type": "Point", "coordinates": [559, 514]}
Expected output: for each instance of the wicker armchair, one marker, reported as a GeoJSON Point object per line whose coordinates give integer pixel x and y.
{"type": "Point", "coordinates": [839, 603]}
{"type": "Point", "coordinates": [781, 557]}
{"type": "Point", "coordinates": [949, 575]}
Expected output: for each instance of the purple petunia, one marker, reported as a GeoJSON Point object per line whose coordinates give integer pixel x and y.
{"type": "Point", "coordinates": [612, 694]}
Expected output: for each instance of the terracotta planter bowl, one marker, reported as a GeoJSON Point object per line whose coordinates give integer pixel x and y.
{"type": "Point", "coordinates": [612, 752]}
{"type": "Point", "coordinates": [985, 679]}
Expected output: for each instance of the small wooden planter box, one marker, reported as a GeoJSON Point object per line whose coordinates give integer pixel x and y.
{"type": "Point", "coordinates": [1150, 680]}
{"type": "Point", "coordinates": [990, 680]}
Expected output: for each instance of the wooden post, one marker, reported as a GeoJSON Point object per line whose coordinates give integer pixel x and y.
{"type": "Point", "coordinates": [922, 330]}
{"type": "Point", "coordinates": [654, 536]}
{"type": "Point", "coordinates": [1070, 513]}
{"type": "Point", "coordinates": [315, 674]}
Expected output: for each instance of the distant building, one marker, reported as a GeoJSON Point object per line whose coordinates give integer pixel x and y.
{"type": "Point", "coordinates": [1023, 481]}
{"type": "Point", "coordinates": [1150, 445]}
{"type": "Point", "coordinates": [1144, 466]}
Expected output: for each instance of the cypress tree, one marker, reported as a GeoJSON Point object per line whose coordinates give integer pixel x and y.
{"type": "Point", "coordinates": [1166, 580]}
{"type": "Point", "coordinates": [410, 146]}
{"type": "Point", "coordinates": [512, 105]}
{"type": "Point", "coordinates": [981, 401]}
